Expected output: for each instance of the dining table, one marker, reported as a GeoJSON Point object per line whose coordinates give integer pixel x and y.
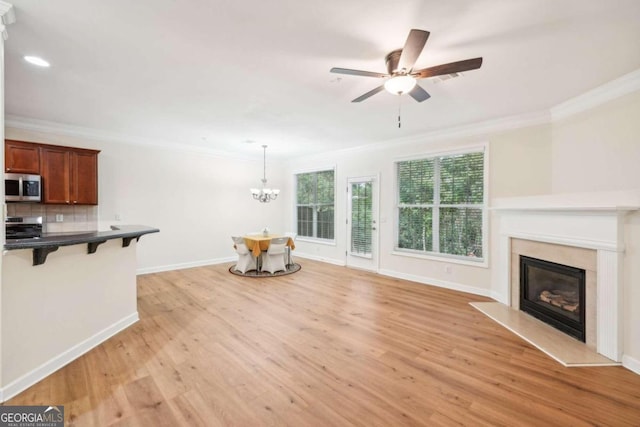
{"type": "Point", "coordinates": [259, 243]}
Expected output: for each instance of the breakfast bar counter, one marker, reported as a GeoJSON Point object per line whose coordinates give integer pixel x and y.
{"type": "Point", "coordinates": [80, 297]}
{"type": "Point", "coordinates": [50, 242]}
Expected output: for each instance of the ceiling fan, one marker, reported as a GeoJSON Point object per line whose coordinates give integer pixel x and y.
{"type": "Point", "coordinates": [401, 78]}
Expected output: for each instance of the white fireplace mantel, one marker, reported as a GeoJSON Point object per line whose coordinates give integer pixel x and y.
{"type": "Point", "coordinates": [585, 220]}
{"type": "Point", "coordinates": [620, 201]}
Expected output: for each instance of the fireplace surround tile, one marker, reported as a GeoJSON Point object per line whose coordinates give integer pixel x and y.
{"type": "Point", "coordinates": [583, 258]}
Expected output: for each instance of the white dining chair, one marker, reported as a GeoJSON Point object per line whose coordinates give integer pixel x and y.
{"type": "Point", "coordinates": [274, 258]}
{"type": "Point", "coordinates": [292, 236]}
{"type": "Point", "coordinates": [246, 260]}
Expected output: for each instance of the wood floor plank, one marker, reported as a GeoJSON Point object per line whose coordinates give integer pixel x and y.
{"type": "Point", "coordinates": [325, 346]}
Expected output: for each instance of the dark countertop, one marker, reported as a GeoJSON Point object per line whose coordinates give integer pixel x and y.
{"type": "Point", "coordinates": [50, 242]}
{"type": "Point", "coordinates": [75, 238]}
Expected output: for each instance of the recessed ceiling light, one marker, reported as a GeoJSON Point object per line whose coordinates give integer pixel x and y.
{"type": "Point", "coordinates": [35, 60]}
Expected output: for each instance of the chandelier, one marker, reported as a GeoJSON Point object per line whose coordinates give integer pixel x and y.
{"type": "Point", "coordinates": [264, 195]}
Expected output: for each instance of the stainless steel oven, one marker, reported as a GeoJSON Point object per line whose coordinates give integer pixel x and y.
{"type": "Point", "coordinates": [29, 227]}
{"type": "Point", "coordinates": [22, 188]}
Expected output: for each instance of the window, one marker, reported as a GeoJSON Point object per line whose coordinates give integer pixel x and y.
{"type": "Point", "coordinates": [441, 206]}
{"type": "Point", "coordinates": [315, 192]}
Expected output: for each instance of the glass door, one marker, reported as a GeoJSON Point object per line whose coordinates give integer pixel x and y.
{"type": "Point", "coordinates": [362, 223]}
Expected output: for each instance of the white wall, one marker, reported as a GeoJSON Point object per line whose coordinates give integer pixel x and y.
{"type": "Point", "coordinates": [197, 200]}
{"type": "Point", "coordinates": [598, 150]}
{"type": "Point", "coordinates": [519, 163]}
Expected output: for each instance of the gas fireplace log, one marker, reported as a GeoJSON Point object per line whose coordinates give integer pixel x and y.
{"type": "Point", "coordinates": [565, 300]}
{"type": "Point", "coordinates": [549, 297]}
{"type": "Point", "coordinates": [570, 307]}
{"type": "Point", "coordinates": [570, 295]}
{"type": "Point", "coordinates": [558, 302]}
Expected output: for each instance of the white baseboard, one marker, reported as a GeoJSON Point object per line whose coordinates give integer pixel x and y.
{"type": "Point", "coordinates": [439, 283]}
{"type": "Point", "coordinates": [339, 262]}
{"type": "Point", "coordinates": [47, 368]}
{"type": "Point", "coordinates": [181, 266]}
{"type": "Point", "coordinates": [631, 364]}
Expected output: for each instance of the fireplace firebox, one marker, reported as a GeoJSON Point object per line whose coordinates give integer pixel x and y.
{"type": "Point", "coordinates": [554, 293]}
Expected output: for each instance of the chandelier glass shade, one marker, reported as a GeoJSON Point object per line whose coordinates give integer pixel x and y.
{"type": "Point", "coordinates": [264, 195]}
{"type": "Point", "coordinates": [400, 84]}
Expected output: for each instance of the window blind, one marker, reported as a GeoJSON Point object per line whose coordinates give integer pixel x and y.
{"type": "Point", "coordinates": [441, 205]}
{"type": "Point", "coordinates": [361, 217]}
{"type": "Point", "coordinates": [315, 193]}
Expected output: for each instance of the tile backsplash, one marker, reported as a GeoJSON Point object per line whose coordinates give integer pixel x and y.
{"type": "Point", "coordinates": [74, 218]}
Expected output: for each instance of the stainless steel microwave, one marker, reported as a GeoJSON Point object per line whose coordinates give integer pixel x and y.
{"type": "Point", "coordinates": [22, 188]}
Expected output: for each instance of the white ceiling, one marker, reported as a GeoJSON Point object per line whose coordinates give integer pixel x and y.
{"type": "Point", "coordinates": [216, 74]}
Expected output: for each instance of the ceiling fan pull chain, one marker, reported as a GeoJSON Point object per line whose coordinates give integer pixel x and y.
{"type": "Point", "coordinates": [399, 110]}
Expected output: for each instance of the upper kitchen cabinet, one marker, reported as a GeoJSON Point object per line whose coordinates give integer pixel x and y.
{"type": "Point", "coordinates": [69, 175]}
{"type": "Point", "coordinates": [84, 177]}
{"type": "Point", "coordinates": [21, 157]}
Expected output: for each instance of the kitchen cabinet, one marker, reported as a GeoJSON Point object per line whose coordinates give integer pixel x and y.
{"type": "Point", "coordinates": [84, 177]}
{"type": "Point", "coordinates": [21, 157]}
{"type": "Point", "coordinates": [69, 175]}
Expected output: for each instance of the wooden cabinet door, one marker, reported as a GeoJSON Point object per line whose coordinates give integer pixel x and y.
{"type": "Point", "coordinates": [21, 157]}
{"type": "Point", "coordinates": [56, 179]}
{"type": "Point", "coordinates": [69, 175]}
{"type": "Point", "coordinates": [84, 178]}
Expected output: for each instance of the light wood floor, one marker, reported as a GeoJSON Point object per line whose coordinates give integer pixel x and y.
{"type": "Point", "coordinates": [328, 346]}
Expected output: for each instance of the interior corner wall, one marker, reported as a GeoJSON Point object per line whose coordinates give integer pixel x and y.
{"type": "Point", "coordinates": [197, 200]}
{"type": "Point", "coordinates": [519, 164]}
{"type": "Point", "coordinates": [599, 150]}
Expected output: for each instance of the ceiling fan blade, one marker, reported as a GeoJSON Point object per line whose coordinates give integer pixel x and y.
{"type": "Point", "coordinates": [419, 94]}
{"type": "Point", "coordinates": [450, 68]}
{"type": "Point", "coordinates": [412, 49]}
{"type": "Point", "coordinates": [358, 72]}
{"type": "Point", "coordinates": [369, 94]}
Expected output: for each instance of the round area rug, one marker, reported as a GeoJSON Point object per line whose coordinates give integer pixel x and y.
{"type": "Point", "coordinates": [291, 268]}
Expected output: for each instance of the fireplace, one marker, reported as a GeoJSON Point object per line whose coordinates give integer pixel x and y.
{"type": "Point", "coordinates": [584, 230]}
{"type": "Point", "coordinates": [555, 294]}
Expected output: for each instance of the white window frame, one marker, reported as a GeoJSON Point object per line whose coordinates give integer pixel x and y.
{"type": "Point", "coordinates": [331, 242]}
{"type": "Point", "coordinates": [436, 256]}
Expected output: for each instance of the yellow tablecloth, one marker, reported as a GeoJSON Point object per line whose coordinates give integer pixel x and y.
{"type": "Point", "coordinates": [257, 243]}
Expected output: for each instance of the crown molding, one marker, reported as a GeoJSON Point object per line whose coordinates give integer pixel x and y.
{"type": "Point", "coordinates": [42, 126]}
{"type": "Point", "coordinates": [614, 89]}
{"type": "Point", "coordinates": [472, 130]}
{"type": "Point", "coordinates": [7, 16]}
{"type": "Point", "coordinates": [486, 127]}
{"type": "Point", "coordinates": [624, 85]}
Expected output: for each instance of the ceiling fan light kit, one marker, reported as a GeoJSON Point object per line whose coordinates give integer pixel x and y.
{"type": "Point", "coordinates": [400, 84]}
{"type": "Point", "coordinates": [401, 78]}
